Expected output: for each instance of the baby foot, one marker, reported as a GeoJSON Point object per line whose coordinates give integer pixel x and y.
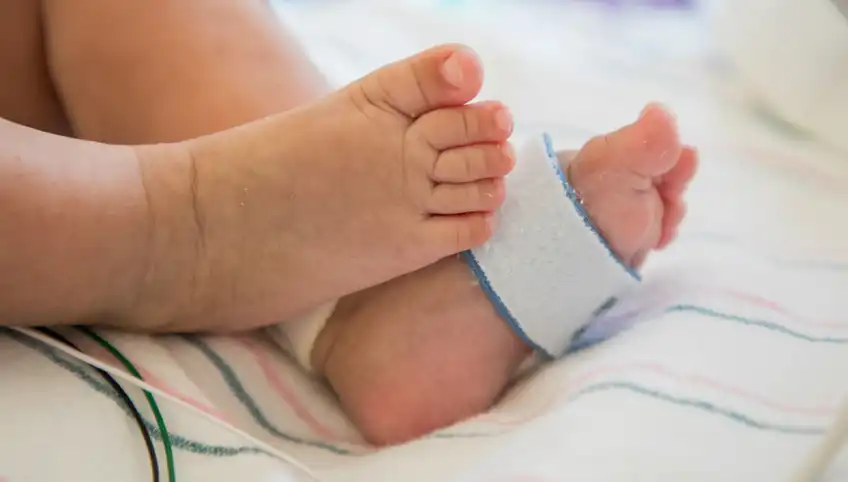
{"type": "Point", "coordinates": [383, 177]}
{"type": "Point", "coordinates": [427, 350]}
{"type": "Point", "coordinates": [631, 182]}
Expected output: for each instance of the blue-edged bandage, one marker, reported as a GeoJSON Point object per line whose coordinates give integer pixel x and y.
{"type": "Point", "coordinates": [547, 270]}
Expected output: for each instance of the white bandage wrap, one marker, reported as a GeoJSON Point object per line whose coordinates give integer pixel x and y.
{"type": "Point", "coordinates": [547, 270]}
{"type": "Point", "coordinates": [298, 335]}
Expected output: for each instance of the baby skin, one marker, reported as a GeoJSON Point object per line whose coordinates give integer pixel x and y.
{"type": "Point", "coordinates": [427, 350]}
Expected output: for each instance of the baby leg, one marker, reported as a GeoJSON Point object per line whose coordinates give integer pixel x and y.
{"type": "Point", "coordinates": [27, 94]}
{"type": "Point", "coordinates": [169, 71]}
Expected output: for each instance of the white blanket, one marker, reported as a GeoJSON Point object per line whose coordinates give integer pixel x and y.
{"type": "Point", "coordinates": [730, 363]}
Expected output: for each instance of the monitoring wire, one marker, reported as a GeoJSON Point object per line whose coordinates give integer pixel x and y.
{"type": "Point", "coordinates": [122, 394]}
{"type": "Point", "coordinates": [154, 407]}
{"type": "Point", "coordinates": [162, 395]}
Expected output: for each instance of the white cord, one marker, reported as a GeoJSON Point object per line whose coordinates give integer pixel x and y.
{"type": "Point", "coordinates": [826, 451]}
{"type": "Point", "coordinates": [159, 393]}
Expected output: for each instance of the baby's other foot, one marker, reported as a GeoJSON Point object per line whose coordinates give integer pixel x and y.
{"type": "Point", "coordinates": [631, 183]}
{"type": "Point", "coordinates": [427, 350]}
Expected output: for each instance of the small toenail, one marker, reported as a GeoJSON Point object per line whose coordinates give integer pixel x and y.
{"type": "Point", "coordinates": [503, 119]}
{"type": "Point", "coordinates": [452, 69]}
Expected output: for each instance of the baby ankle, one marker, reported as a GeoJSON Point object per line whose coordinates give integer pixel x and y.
{"type": "Point", "coordinates": [170, 290]}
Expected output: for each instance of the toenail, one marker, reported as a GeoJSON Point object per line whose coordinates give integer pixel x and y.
{"type": "Point", "coordinates": [503, 119]}
{"type": "Point", "coordinates": [452, 69]}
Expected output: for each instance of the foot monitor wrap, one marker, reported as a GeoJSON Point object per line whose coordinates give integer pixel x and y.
{"type": "Point", "coordinates": [547, 270]}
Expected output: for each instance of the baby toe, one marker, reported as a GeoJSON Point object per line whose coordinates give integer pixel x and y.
{"type": "Point", "coordinates": [653, 142]}
{"type": "Point", "coordinates": [648, 147]}
{"type": "Point", "coordinates": [482, 196]}
{"type": "Point", "coordinates": [674, 213]}
{"type": "Point", "coordinates": [473, 163]}
{"type": "Point", "coordinates": [447, 235]}
{"type": "Point", "coordinates": [443, 76]}
{"type": "Point", "coordinates": [462, 126]}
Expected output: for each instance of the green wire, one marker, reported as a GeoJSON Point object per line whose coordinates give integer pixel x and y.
{"type": "Point", "coordinates": [160, 421]}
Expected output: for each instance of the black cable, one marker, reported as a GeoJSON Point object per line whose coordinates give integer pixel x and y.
{"type": "Point", "coordinates": [154, 407]}
{"type": "Point", "coordinates": [122, 394]}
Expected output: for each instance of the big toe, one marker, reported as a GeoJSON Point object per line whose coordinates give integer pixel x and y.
{"type": "Point", "coordinates": [444, 76]}
{"type": "Point", "coordinates": [649, 147]}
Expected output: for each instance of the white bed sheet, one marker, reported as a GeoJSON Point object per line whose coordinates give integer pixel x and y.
{"type": "Point", "coordinates": [730, 369]}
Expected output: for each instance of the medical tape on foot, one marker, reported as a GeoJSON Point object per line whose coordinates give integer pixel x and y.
{"type": "Point", "coordinates": [547, 270]}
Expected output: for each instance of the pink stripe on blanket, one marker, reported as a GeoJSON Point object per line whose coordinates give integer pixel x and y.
{"type": "Point", "coordinates": [97, 351]}
{"type": "Point", "coordinates": [777, 308]}
{"type": "Point", "coordinates": [290, 397]}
